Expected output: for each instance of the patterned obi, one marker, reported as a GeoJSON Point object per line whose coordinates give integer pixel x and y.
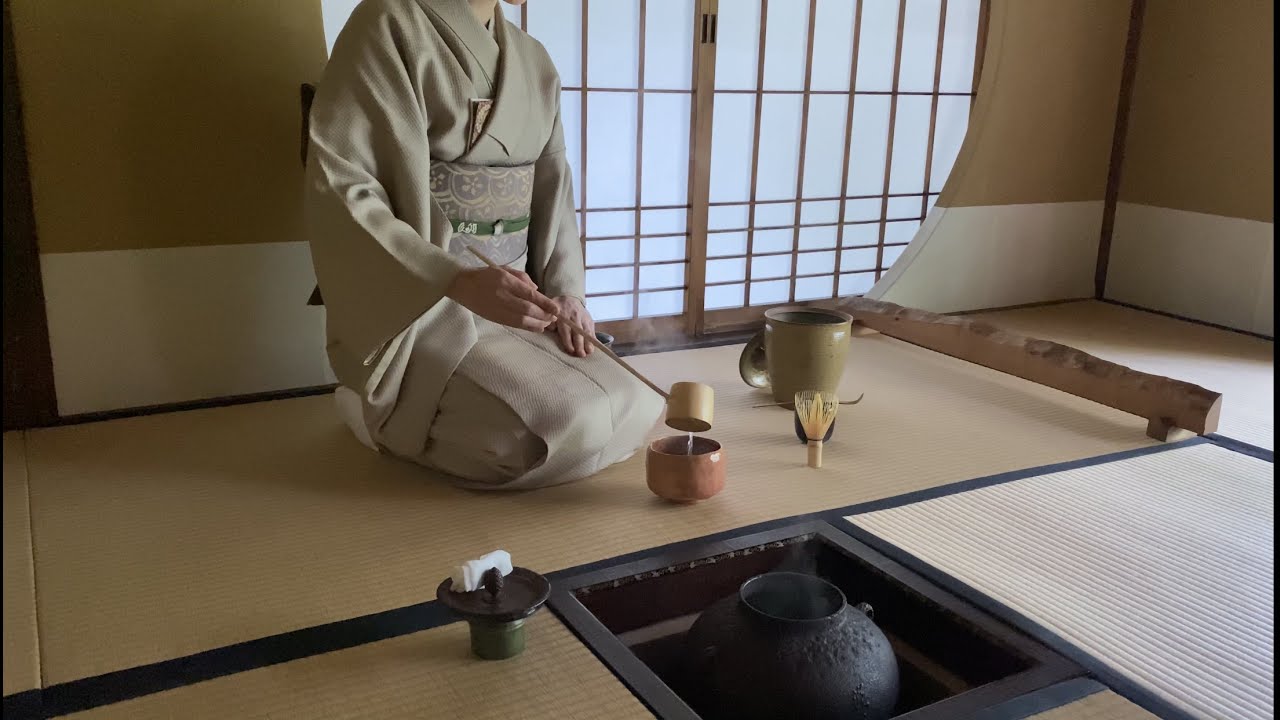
{"type": "Point", "coordinates": [488, 208]}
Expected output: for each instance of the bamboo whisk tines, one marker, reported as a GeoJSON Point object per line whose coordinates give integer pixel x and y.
{"type": "Point", "coordinates": [816, 412]}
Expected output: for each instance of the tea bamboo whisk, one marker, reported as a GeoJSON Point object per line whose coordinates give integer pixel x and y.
{"type": "Point", "coordinates": [816, 412]}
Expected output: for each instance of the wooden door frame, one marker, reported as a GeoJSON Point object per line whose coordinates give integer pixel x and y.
{"type": "Point", "coordinates": [29, 396]}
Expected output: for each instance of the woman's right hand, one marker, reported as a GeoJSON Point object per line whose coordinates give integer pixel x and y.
{"type": "Point", "coordinates": [504, 296]}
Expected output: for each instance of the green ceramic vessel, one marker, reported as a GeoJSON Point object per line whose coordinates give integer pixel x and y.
{"type": "Point", "coordinates": [800, 348]}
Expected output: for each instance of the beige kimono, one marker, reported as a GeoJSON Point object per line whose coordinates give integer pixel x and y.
{"type": "Point", "coordinates": [489, 406]}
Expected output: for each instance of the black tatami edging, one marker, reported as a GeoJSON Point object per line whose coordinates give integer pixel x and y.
{"type": "Point", "coordinates": [1054, 696]}
{"type": "Point", "coordinates": [1243, 448]}
{"type": "Point", "coordinates": [110, 688]}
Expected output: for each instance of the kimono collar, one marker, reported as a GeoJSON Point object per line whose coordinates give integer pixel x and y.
{"type": "Point", "coordinates": [481, 53]}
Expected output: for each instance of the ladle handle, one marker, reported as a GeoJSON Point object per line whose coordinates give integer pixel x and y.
{"type": "Point", "coordinates": [589, 337]}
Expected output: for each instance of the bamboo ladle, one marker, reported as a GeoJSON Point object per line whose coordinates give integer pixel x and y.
{"type": "Point", "coordinates": [690, 405]}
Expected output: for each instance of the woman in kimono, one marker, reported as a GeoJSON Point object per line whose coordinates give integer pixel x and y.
{"type": "Point", "coordinates": [436, 127]}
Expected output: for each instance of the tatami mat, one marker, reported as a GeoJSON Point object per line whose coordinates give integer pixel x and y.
{"type": "Point", "coordinates": [1104, 705]}
{"type": "Point", "coordinates": [166, 535]}
{"type": "Point", "coordinates": [21, 656]}
{"type": "Point", "coordinates": [1160, 566]}
{"type": "Point", "coordinates": [425, 675]}
{"type": "Point", "coordinates": [1240, 367]}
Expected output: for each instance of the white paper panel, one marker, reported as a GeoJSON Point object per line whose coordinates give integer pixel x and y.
{"type": "Point", "coordinates": [878, 41]}
{"type": "Point", "coordinates": [814, 287]}
{"type": "Point", "coordinates": [860, 235]}
{"type": "Point", "coordinates": [910, 144]}
{"type": "Point", "coordinates": [960, 42]}
{"type": "Point", "coordinates": [771, 266]}
{"type": "Point", "coordinates": [856, 259]}
{"type": "Point", "coordinates": [786, 40]}
{"type": "Point", "coordinates": [824, 145]}
{"type": "Point", "coordinates": [726, 244]}
{"type": "Point", "coordinates": [611, 149]}
{"type": "Point", "coordinates": [812, 263]}
{"type": "Point", "coordinates": [933, 200]}
{"type": "Point", "coordinates": [907, 206]}
{"type": "Point", "coordinates": [611, 223]}
{"type": "Point", "coordinates": [655, 304]}
{"type": "Point", "coordinates": [948, 135]}
{"type": "Point", "coordinates": [900, 232]}
{"type": "Point", "coordinates": [769, 241]}
{"type": "Point", "coordinates": [653, 277]}
{"type": "Point", "coordinates": [832, 45]}
{"type": "Point", "coordinates": [771, 292]}
{"type": "Point", "coordinates": [919, 45]}
{"type": "Point", "coordinates": [857, 283]}
{"type": "Point", "coordinates": [334, 14]}
{"type": "Point", "coordinates": [607, 280]}
{"type": "Point", "coordinates": [729, 270]}
{"type": "Point", "coordinates": [732, 130]}
{"type": "Point", "coordinates": [891, 255]}
{"type": "Point", "coordinates": [662, 248]}
{"type": "Point", "coordinates": [557, 24]}
{"type": "Point", "coordinates": [613, 43]}
{"type": "Point", "coordinates": [775, 214]}
{"type": "Point", "coordinates": [665, 175]}
{"type": "Point", "coordinates": [737, 38]}
{"type": "Point", "coordinates": [723, 296]}
{"type": "Point", "coordinates": [868, 145]}
{"type": "Point", "coordinates": [728, 217]}
{"type": "Point", "coordinates": [822, 211]}
{"type": "Point", "coordinates": [818, 238]}
{"type": "Point", "coordinates": [612, 307]}
{"type": "Point", "coordinates": [571, 121]}
{"type": "Point", "coordinates": [511, 12]}
{"type": "Point", "coordinates": [610, 252]}
{"type": "Point", "coordinates": [779, 147]}
{"type": "Point", "coordinates": [862, 209]}
{"type": "Point", "coordinates": [668, 44]}
{"type": "Point", "coordinates": [653, 222]}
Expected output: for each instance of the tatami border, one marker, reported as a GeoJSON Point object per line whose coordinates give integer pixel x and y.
{"type": "Point", "coordinates": [110, 688]}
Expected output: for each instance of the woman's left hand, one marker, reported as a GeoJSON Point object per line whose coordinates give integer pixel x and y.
{"type": "Point", "coordinates": [571, 308]}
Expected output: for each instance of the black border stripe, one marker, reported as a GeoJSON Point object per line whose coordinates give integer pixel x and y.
{"type": "Point", "coordinates": [1184, 318]}
{"type": "Point", "coordinates": [1054, 696]}
{"type": "Point", "coordinates": [1243, 448]}
{"type": "Point", "coordinates": [114, 687]}
{"type": "Point", "coordinates": [24, 705]}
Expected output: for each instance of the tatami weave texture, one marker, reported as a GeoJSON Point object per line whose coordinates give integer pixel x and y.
{"type": "Point", "coordinates": [158, 537]}
{"type": "Point", "coordinates": [21, 654]}
{"type": "Point", "coordinates": [425, 675]}
{"type": "Point", "coordinates": [1160, 566]}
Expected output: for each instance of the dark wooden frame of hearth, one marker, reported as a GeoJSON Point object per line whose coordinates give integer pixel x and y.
{"type": "Point", "coordinates": [1048, 669]}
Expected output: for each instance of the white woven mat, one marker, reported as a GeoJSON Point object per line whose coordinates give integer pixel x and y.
{"type": "Point", "coordinates": [1158, 566]}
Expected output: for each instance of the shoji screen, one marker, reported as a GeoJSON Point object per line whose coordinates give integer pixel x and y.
{"type": "Point", "coordinates": [836, 123]}
{"type": "Point", "coordinates": [733, 155]}
{"type": "Point", "coordinates": [627, 72]}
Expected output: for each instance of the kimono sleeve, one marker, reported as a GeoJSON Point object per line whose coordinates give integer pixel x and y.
{"type": "Point", "coordinates": [375, 233]}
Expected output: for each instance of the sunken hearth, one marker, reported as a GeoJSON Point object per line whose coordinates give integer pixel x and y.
{"type": "Point", "coordinates": [953, 660]}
